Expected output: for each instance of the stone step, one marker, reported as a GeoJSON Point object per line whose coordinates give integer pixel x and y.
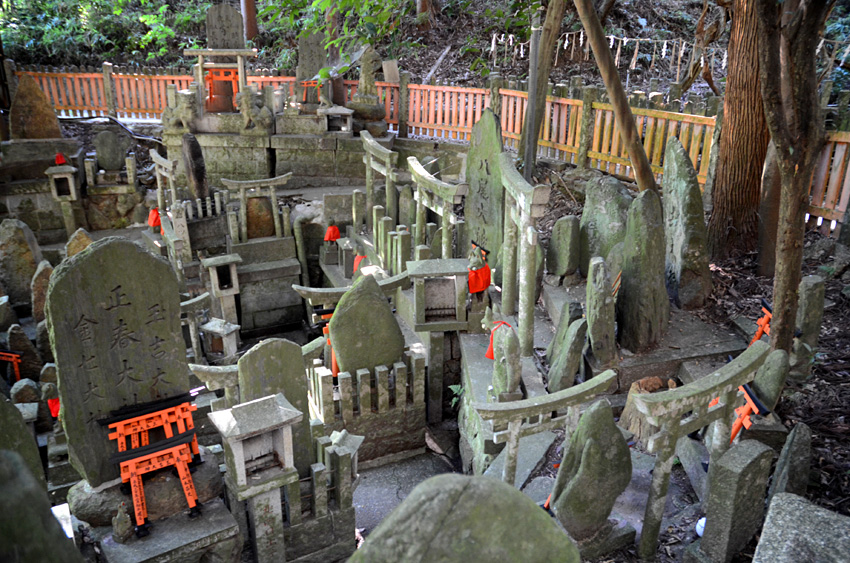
{"type": "Point", "coordinates": [692, 370]}
{"type": "Point", "coordinates": [530, 456]}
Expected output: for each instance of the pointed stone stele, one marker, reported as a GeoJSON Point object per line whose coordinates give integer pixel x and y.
{"type": "Point", "coordinates": [643, 307]}
{"type": "Point", "coordinates": [363, 331]}
{"type": "Point", "coordinates": [688, 276]}
{"type": "Point", "coordinates": [565, 365]}
{"type": "Point", "coordinates": [596, 468]}
{"type": "Point", "coordinates": [603, 220]}
{"type": "Point", "coordinates": [601, 315]}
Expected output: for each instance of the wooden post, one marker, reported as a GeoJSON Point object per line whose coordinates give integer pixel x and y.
{"type": "Point", "coordinates": [622, 112]}
{"type": "Point", "coordinates": [588, 98]}
{"type": "Point", "coordinates": [495, 98]}
{"type": "Point", "coordinates": [403, 103]}
{"type": "Point", "coordinates": [109, 91]}
{"type": "Point", "coordinates": [529, 149]}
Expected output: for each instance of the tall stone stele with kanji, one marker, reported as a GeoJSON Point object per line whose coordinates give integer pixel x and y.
{"type": "Point", "coordinates": [114, 318]}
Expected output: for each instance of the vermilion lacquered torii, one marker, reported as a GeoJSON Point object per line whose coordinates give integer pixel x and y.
{"type": "Point", "coordinates": [177, 449]}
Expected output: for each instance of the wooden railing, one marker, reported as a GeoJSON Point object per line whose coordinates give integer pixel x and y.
{"type": "Point", "coordinates": [830, 192]}
{"type": "Point", "coordinates": [608, 152]}
{"type": "Point", "coordinates": [449, 112]}
{"type": "Point", "coordinates": [79, 94]}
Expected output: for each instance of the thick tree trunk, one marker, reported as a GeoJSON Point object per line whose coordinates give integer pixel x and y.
{"type": "Point", "coordinates": [733, 227]}
{"type": "Point", "coordinates": [249, 16]}
{"type": "Point", "coordinates": [793, 115]}
{"type": "Point", "coordinates": [545, 56]}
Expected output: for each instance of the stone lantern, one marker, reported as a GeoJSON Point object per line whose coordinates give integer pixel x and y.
{"type": "Point", "coordinates": [63, 187]}
{"type": "Point", "coordinates": [259, 457]}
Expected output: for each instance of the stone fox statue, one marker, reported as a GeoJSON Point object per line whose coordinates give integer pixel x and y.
{"type": "Point", "coordinates": [254, 113]}
{"type": "Point", "coordinates": [504, 351]}
{"type": "Point", "coordinates": [183, 114]}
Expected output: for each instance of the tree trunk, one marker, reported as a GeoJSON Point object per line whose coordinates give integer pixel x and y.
{"type": "Point", "coordinates": [771, 188]}
{"type": "Point", "coordinates": [623, 116]}
{"type": "Point", "coordinates": [545, 56]}
{"type": "Point", "coordinates": [733, 227]}
{"type": "Point", "coordinates": [789, 34]}
{"type": "Point", "coordinates": [249, 16]}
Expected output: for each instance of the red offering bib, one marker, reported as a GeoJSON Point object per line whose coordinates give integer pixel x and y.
{"type": "Point", "coordinates": [479, 280]}
{"type": "Point", "coordinates": [53, 405]}
{"type": "Point", "coordinates": [332, 233]}
{"type": "Point", "coordinates": [153, 218]}
{"type": "Point", "coordinates": [489, 355]}
{"type": "Point", "coordinates": [357, 260]}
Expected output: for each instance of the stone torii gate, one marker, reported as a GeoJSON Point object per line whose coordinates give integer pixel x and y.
{"type": "Point", "coordinates": [524, 204]}
{"type": "Point", "coordinates": [437, 196]}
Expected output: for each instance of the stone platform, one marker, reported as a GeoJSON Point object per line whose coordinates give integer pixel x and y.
{"type": "Point", "coordinates": [688, 341]}
{"type": "Point", "coordinates": [213, 536]}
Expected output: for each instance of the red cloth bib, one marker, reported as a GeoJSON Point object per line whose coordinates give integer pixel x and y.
{"type": "Point", "coordinates": [489, 355]}
{"type": "Point", "coordinates": [479, 280]}
{"type": "Point", "coordinates": [153, 218]}
{"type": "Point", "coordinates": [332, 233]}
{"type": "Point", "coordinates": [357, 260]}
{"type": "Point", "coordinates": [53, 405]}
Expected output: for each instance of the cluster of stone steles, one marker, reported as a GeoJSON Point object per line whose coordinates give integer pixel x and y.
{"type": "Point", "coordinates": [418, 313]}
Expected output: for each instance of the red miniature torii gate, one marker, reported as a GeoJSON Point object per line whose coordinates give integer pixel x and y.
{"type": "Point", "coordinates": [176, 450]}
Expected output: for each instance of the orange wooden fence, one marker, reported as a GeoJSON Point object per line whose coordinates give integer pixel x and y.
{"type": "Point", "coordinates": [561, 130]}
{"type": "Point", "coordinates": [445, 112]}
{"type": "Point", "coordinates": [449, 112]}
{"type": "Point", "coordinates": [78, 94]}
{"type": "Point", "coordinates": [608, 153]}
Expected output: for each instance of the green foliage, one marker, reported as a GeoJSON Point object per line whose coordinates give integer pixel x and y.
{"type": "Point", "coordinates": [61, 32]}
{"type": "Point", "coordinates": [457, 391]}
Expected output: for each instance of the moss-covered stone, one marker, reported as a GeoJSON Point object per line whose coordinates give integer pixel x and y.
{"type": "Point", "coordinates": [458, 518]}
{"type": "Point", "coordinates": [363, 331]}
{"type": "Point", "coordinates": [603, 221]}
{"type": "Point", "coordinates": [19, 439]}
{"type": "Point", "coordinates": [596, 468]}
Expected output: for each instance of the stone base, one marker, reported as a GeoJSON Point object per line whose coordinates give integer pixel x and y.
{"type": "Point", "coordinates": [320, 539]}
{"type": "Point", "coordinates": [620, 535]}
{"type": "Point", "coordinates": [213, 536]}
{"type": "Point", "coordinates": [693, 554]}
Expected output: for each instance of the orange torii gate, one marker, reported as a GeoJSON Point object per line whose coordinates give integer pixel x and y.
{"type": "Point", "coordinates": [13, 358]}
{"type": "Point", "coordinates": [178, 449]}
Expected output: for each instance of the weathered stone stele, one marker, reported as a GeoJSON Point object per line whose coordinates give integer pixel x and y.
{"type": "Point", "coordinates": [224, 27]}
{"type": "Point", "coordinates": [601, 313]}
{"type": "Point", "coordinates": [363, 331]}
{"type": "Point", "coordinates": [688, 276]}
{"type": "Point", "coordinates": [809, 320]}
{"type": "Point", "coordinates": [111, 148]}
{"type": "Point", "coordinates": [459, 518]}
{"type": "Point", "coordinates": [260, 217]}
{"type": "Point", "coordinates": [569, 314]}
{"type": "Point", "coordinates": [566, 363]}
{"type": "Point", "coordinates": [596, 468]}
{"type": "Point", "coordinates": [643, 308]}
{"type": "Point", "coordinates": [19, 258]}
{"type": "Point", "coordinates": [29, 530]}
{"type": "Point", "coordinates": [196, 170]}
{"type": "Point", "coordinates": [485, 199]}
{"type": "Point", "coordinates": [563, 254]}
{"type": "Point", "coordinates": [792, 470]}
{"type": "Point", "coordinates": [603, 221]}
{"type": "Point", "coordinates": [114, 316]}
{"type": "Point", "coordinates": [38, 287]}
{"type": "Point", "coordinates": [276, 366]}
{"type": "Point", "coordinates": [31, 115]}
{"type": "Point", "coordinates": [78, 242]}
{"type": "Point", "coordinates": [797, 530]}
{"type": "Point", "coordinates": [18, 438]}
{"type": "Point", "coordinates": [735, 504]}
{"type": "Point", "coordinates": [31, 364]}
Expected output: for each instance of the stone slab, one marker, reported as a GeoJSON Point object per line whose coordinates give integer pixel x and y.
{"type": "Point", "coordinates": [539, 488]}
{"type": "Point", "coordinates": [383, 488]}
{"type": "Point", "coordinates": [530, 456]}
{"type": "Point", "coordinates": [180, 538]}
{"type": "Point", "coordinates": [796, 530]}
